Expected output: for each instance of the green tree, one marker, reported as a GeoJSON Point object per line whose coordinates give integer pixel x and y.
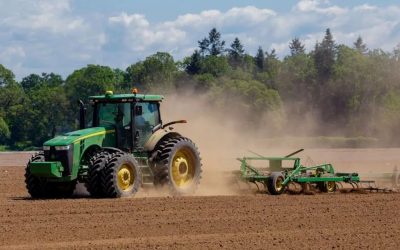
{"type": "Point", "coordinates": [360, 46]}
{"type": "Point", "coordinates": [6, 76]}
{"type": "Point", "coordinates": [46, 124]}
{"type": "Point", "coordinates": [4, 131]}
{"type": "Point", "coordinates": [90, 80]}
{"type": "Point", "coordinates": [215, 65]}
{"type": "Point", "coordinates": [297, 84]}
{"type": "Point", "coordinates": [324, 56]}
{"type": "Point", "coordinates": [260, 59]}
{"type": "Point", "coordinates": [213, 45]}
{"type": "Point", "coordinates": [34, 81]}
{"type": "Point", "coordinates": [134, 74]}
{"type": "Point", "coordinates": [296, 47]}
{"type": "Point", "coordinates": [12, 98]}
{"type": "Point", "coordinates": [193, 63]}
{"type": "Point", "coordinates": [31, 81]}
{"type": "Point", "coordinates": [272, 66]}
{"type": "Point", "coordinates": [236, 52]}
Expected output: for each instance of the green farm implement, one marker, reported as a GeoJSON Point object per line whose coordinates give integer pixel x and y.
{"type": "Point", "coordinates": [287, 174]}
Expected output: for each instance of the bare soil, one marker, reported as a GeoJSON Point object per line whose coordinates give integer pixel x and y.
{"type": "Point", "coordinates": [248, 221]}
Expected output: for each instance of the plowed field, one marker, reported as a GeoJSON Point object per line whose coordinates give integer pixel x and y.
{"type": "Point", "coordinates": [322, 221]}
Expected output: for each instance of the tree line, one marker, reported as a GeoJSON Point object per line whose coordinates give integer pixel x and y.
{"type": "Point", "coordinates": [348, 90]}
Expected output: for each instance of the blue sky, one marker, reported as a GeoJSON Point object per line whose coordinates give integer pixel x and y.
{"type": "Point", "coordinates": [64, 35]}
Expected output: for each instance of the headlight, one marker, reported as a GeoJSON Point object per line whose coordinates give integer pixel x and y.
{"type": "Point", "coordinates": [62, 147]}
{"type": "Point", "coordinates": [46, 147]}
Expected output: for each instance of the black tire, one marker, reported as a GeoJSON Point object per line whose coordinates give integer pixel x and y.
{"type": "Point", "coordinates": [60, 189]}
{"type": "Point", "coordinates": [274, 183]}
{"type": "Point", "coordinates": [327, 187]}
{"type": "Point", "coordinates": [36, 186]}
{"type": "Point", "coordinates": [40, 188]}
{"type": "Point", "coordinates": [184, 178]}
{"type": "Point", "coordinates": [97, 164]}
{"type": "Point", "coordinates": [110, 176]}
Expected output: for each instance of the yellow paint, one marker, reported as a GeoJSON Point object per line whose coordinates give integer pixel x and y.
{"type": "Point", "coordinates": [94, 134]}
{"type": "Point", "coordinates": [183, 167]}
{"type": "Point", "coordinates": [125, 177]}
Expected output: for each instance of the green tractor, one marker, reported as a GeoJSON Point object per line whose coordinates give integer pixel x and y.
{"type": "Point", "coordinates": [125, 146]}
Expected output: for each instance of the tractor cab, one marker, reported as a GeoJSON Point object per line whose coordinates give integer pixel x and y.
{"type": "Point", "coordinates": [134, 117]}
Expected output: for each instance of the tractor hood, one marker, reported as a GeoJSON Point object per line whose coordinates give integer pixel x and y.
{"type": "Point", "coordinates": [75, 136]}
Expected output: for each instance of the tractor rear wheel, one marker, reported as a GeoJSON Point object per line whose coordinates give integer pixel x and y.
{"type": "Point", "coordinates": [96, 165]}
{"type": "Point", "coordinates": [121, 176]}
{"type": "Point", "coordinates": [275, 183]}
{"type": "Point", "coordinates": [177, 164]}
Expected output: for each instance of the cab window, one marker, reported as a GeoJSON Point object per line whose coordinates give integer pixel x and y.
{"type": "Point", "coordinates": [114, 114]}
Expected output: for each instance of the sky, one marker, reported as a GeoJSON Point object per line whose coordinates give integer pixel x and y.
{"type": "Point", "coordinates": [64, 35]}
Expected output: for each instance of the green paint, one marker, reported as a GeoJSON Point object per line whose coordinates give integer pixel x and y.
{"type": "Point", "coordinates": [139, 97]}
{"type": "Point", "coordinates": [298, 173]}
{"type": "Point", "coordinates": [47, 169]}
{"type": "Point", "coordinates": [82, 142]}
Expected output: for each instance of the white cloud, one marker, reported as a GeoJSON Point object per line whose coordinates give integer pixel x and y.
{"type": "Point", "coordinates": [53, 16]}
{"type": "Point", "coordinates": [130, 20]}
{"type": "Point", "coordinates": [365, 7]}
{"type": "Point", "coordinates": [42, 36]}
{"type": "Point", "coordinates": [317, 6]}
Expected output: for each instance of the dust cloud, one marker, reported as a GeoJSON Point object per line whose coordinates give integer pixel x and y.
{"type": "Point", "coordinates": [220, 134]}
{"type": "Point", "coordinates": [223, 134]}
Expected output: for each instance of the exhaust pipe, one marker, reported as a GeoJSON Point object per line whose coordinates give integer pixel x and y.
{"type": "Point", "coordinates": [82, 114]}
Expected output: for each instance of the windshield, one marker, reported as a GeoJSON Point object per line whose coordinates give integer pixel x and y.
{"type": "Point", "coordinates": [114, 114]}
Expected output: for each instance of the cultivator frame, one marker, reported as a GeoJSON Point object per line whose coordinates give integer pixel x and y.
{"type": "Point", "coordinates": [278, 179]}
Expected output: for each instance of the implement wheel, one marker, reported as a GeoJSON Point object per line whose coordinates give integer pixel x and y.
{"type": "Point", "coordinates": [275, 183]}
{"type": "Point", "coordinates": [122, 176]}
{"type": "Point", "coordinates": [327, 187]}
{"type": "Point", "coordinates": [177, 164]}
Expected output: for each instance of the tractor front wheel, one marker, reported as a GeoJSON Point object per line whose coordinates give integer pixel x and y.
{"type": "Point", "coordinates": [275, 183]}
{"type": "Point", "coordinates": [40, 188]}
{"type": "Point", "coordinates": [36, 186]}
{"type": "Point", "coordinates": [96, 165]}
{"type": "Point", "coordinates": [121, 176]}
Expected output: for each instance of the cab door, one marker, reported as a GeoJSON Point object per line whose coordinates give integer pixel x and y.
{"type": "Point", "coordinates": [147, 116]}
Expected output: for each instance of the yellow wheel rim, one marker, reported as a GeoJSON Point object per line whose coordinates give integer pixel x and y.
{"type": "Point", "coordinates": [125, 177]}
{"type": "Point", "coordinates": [183, 167]}
{"type": "Point", "coordinates": [278, 184]}
{"type": "Point", "coordinates": [330, 186]}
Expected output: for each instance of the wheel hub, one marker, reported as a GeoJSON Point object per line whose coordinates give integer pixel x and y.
{"type": "Point", "coordinates": [182, 169]}
{"type": "Point", "coordinates": [278, 184]}
{"type": "Point", "coordinates": [125, 177]}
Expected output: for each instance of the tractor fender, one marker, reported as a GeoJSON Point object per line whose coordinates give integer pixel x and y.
{"type": "Point", "coordinates": [112, 150]}
{"type": "Point", "coordinates": [158, 136]}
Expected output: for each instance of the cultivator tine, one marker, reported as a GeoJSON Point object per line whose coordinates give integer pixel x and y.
{"type": "Point", "coordinates": [258, 188]}
{"type": "Point", "coordinates": [361, 187]}
{"type": "Point", "coordinates": [294, 188]}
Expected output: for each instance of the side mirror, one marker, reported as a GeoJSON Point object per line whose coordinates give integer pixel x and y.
{"type": "Point", "coordinates": [138, 110]}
